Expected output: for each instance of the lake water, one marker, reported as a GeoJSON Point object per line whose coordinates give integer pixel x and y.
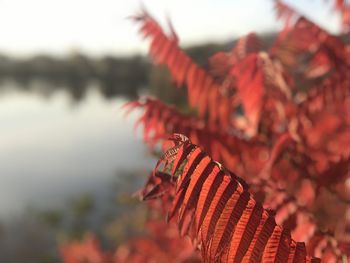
{"type": "Point", "coordinates": [51, 147]}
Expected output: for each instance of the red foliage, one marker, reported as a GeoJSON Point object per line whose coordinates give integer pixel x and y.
{"type": "Point", "coordinates": [88, 251]}
{"type": "Point", "coordinates": [215, 208]}
{"type": "Point", "coordinates": [203, 90]}
{"type": "Point", "coordinates": [280, 120]}
{"type": "Point", "coordinates": [162, 245]}
{"type": "Point", "coordinates": [165, 245]}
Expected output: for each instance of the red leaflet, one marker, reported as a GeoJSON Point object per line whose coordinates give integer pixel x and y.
{"type": "Point", "coordinates": [246, 45]}
{"type": "Point", "coordinates": [210, 186]}
{"type": "Point", "coordinates": [285, 12]}
{"type": "Point", "coordinates": [221, 63]}
{"type": "Point", "coordinates": [195, 183]}
{"type": "Point", "coordinates": [250, 82]}
{"type": "Point", "coordinates": [246, 231]}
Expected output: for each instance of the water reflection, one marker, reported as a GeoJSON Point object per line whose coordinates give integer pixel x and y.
{"type": "Point", "coordinates": [52, 148]}
{"type": "Point", "coordinates": [115, 76]}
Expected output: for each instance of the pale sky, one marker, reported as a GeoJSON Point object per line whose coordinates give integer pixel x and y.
{"type": "Point", "coordinates": [100, 27]}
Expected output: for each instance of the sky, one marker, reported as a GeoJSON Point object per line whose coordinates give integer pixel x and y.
{"type": "Point", "coordinates": [100, 27]}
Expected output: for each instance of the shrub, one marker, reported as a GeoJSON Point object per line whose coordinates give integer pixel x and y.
{"type": "Point", "coordinates": [260, 171]}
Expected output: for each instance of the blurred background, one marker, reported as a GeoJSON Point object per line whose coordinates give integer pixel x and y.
{"type": "Point", "coordinates": [69, 160]}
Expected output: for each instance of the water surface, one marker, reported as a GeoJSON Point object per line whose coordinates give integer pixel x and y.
{"type": "Point", "coordinates": [51, 148]}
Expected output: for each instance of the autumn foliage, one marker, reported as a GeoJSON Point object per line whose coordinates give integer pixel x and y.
{"type": "Point", "coordinates": [261, 170]}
